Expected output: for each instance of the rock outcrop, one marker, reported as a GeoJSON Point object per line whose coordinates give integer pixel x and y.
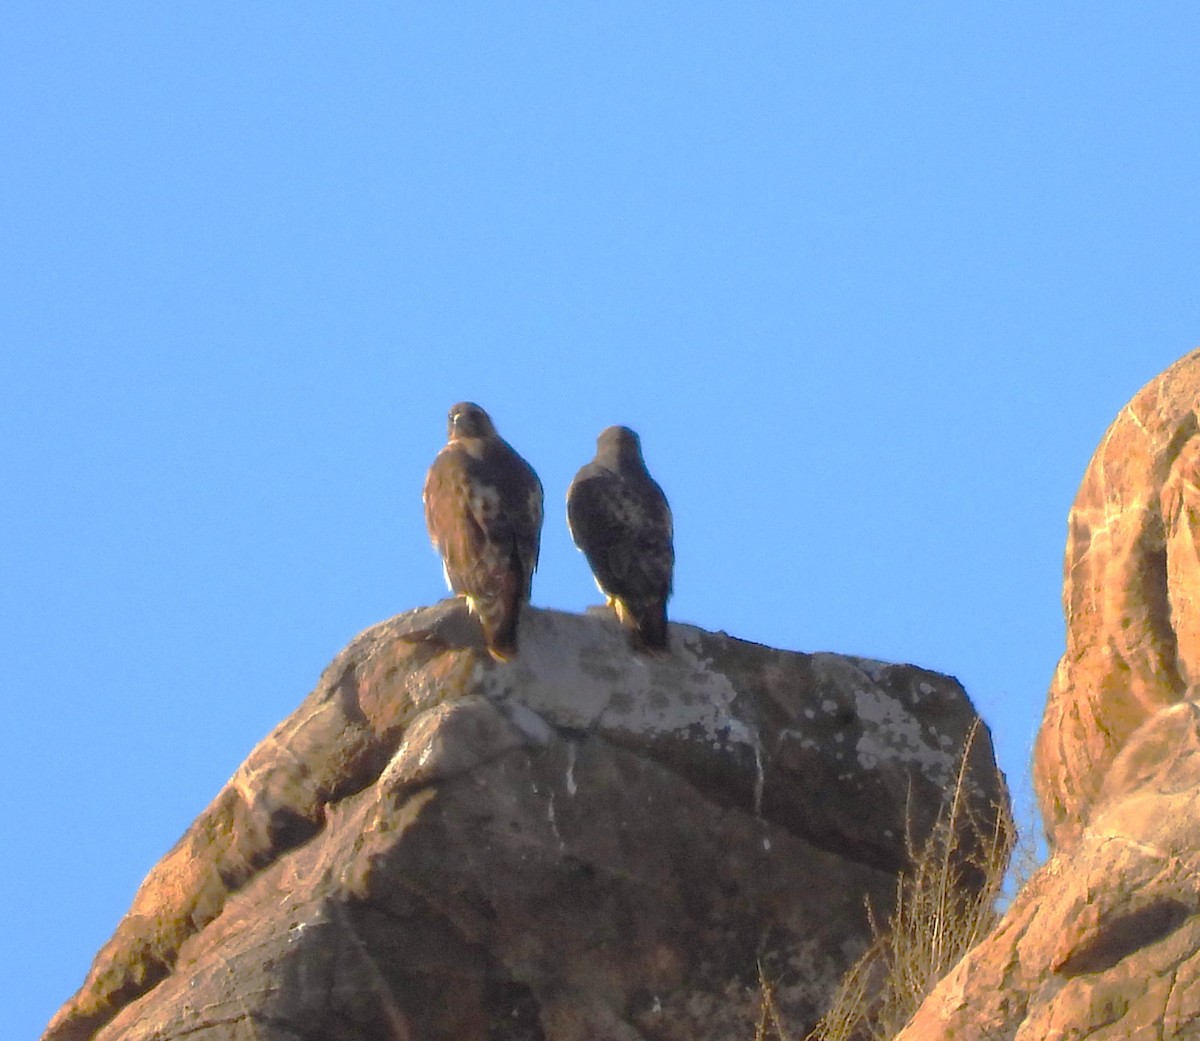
{"type": "Point", "coordinates": [582, 844]}
{"type": "Point", "coordinates": [1131, 595]}
{"type": "Point", "coordinates": [1103, 943]}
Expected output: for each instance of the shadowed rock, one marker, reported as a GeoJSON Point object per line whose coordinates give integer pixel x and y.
{"type": "Point", "coordinates": [583, 843]}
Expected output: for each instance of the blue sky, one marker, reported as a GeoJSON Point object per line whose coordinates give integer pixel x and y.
{"type": "Point", "coordinates": [870, 282]}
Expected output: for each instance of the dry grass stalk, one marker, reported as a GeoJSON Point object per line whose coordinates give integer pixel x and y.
{"type": "Point", "coordinates": [937, 918]}
{"type": "Point", "coordinates": [770, 1023]}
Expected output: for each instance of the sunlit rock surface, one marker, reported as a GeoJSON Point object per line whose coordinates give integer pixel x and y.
{"type": "Point", "coordinates": [1131, 595]}
{"type": "Point", "coordinates": [584, 843]}
{"type": "Point", "coordinates": [1103, 944]}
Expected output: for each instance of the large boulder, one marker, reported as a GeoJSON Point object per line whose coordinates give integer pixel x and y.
{"type": "Point", "coordinates": [581, 844]}
{"type": "Point", "coordinates": [1103, 943]}
{"type": "Point", "coordinates": [1131, 595]}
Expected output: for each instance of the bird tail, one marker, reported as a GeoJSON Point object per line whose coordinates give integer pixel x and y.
{"type": "Point", "coordinates": [499, 612]}
{"type": "Point", "coordinates": [645, 621]}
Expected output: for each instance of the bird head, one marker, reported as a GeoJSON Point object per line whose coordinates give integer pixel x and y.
{"type": "Point", "coordinates": [467, 419]}
{"type": "Point", "coordinates": [619, 444]}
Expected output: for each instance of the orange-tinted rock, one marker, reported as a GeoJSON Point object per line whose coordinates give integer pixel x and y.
{"type": "Point", "coordinates": [1130, 588]}
{"type": "Point", "coordinates": [1103, 944]}
{"type": "Point", "coordinates": [580, 844]}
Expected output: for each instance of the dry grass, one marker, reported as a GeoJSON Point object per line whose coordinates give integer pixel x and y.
{"type": "Point", "coordinates": [770, 1023]}
{"type": "Point", "coordinates": [941, 912]}
{"type": "Point", "coordinates": [1030, 851]}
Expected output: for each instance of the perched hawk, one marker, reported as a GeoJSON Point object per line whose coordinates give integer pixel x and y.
{"type": "Point", "coordinates": [619, 517]}
{"type": "Point", "coordinates": [483, 508]}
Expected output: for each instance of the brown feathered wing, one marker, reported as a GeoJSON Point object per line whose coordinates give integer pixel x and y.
{"type": "Point", "coordinates": [623, 525]}
{"type": "Point", "coordinates": [483, 509]}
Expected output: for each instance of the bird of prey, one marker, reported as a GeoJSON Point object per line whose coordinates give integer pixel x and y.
{"type": "Point", "coordinates": [483, 509]}
{"type": "Point", "coordinates": [620, 519]}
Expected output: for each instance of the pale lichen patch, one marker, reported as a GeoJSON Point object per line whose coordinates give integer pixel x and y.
{"type": "Point", "coordinates": [577, 673]}
{"type": "Point", "coordinates": [891, 733]}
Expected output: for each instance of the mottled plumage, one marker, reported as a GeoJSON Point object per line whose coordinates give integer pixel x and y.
{"type": "Point", "coordinates": [620, 519]}
{"type": "Point", "coordinates": [483, 509]}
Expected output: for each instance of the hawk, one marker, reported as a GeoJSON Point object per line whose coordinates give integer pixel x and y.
{"type": "Point", "coordinates": [620, 519]}
{"type": "Point", "coordinates": [483, 509]}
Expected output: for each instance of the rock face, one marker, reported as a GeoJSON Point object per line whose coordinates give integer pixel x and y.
{"type": "Point", "coordinates": [581, 844]}
{"type": "Point", "coordinates": [1131, 594]}
{"type": "Point", "coordinates": [1103, 943]}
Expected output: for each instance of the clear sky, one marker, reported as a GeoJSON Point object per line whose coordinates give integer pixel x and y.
{"type": "Point", "coordinates": [870, 280]}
